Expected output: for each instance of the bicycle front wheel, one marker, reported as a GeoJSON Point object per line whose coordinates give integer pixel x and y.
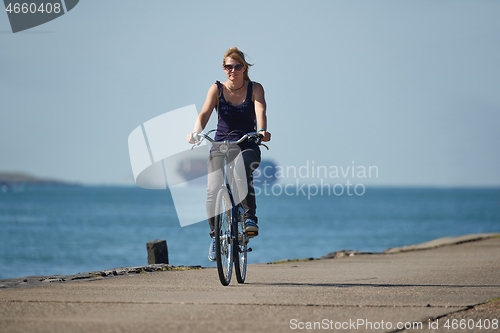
{"type": "Point", "coordinates": [223, 236]}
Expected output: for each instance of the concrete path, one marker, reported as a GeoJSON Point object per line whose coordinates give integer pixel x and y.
{"type": "Point", "coordinates": [362, 293]}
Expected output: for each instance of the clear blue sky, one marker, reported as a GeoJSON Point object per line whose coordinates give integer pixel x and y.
{"type": "Point", "coordinates": [412, 87]}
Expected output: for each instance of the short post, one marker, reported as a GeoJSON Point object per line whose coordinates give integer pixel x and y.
{"type": "Point", "coordinates": [157, 252]}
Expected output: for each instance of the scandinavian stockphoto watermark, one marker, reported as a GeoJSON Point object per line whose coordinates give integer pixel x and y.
{"type": "Point", "coordinates": [354, 324]}
{"type": "Point", "coordinates": [310, 180]}
{"type": "Point", "coordinates": [159, 153]}
{"type": "Point", "coordinates": [364, 324]}
{"type": "Point", "coordinates": [24, 15]}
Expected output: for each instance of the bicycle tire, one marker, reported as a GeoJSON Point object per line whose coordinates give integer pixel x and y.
{"type": "Point", "coordinates": [223, 237]}
{"type": "Point", "coordinates": [240, 249]}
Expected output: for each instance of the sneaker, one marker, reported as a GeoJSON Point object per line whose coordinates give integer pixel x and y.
{"type": "Point", "coordinates": [211, 251]}
{"type": "Point", "coordinates": [251, 228]}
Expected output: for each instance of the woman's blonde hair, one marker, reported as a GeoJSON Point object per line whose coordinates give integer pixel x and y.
{"type": "Point", "coordinates": [238, 56]}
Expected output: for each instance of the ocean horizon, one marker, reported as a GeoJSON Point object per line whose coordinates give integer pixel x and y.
{"type": "Point", "coordinates": [63, 230]}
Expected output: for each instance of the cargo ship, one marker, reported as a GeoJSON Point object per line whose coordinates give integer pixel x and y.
{"type": "Point", "coordinates": [193, 170]}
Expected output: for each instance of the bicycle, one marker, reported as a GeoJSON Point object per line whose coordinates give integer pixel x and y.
{"type": "Point", "coordinates": [230, 237]}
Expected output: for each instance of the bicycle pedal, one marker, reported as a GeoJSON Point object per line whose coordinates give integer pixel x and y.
{"type": "Point", "coordinates": [252, 233]}
{"type": "Point", "coordinates": [249, 249]}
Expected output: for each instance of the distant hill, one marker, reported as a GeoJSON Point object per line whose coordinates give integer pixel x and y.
{"type": "Point", "coordinates": [18, 178]}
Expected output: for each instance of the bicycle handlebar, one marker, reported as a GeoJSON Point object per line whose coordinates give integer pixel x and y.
{"type": "Point", "coordinates": [198, 137]}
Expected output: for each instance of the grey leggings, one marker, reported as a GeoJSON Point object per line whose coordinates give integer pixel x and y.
{"type": "Point", "coordinates": [244, 164]}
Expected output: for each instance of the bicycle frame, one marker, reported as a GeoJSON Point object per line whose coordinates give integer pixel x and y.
{"type": "Point", "coordinates": [233, 240]}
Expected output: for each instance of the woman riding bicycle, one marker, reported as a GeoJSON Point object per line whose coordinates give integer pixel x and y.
{"type": "Point", "coordinates": [241, 108]}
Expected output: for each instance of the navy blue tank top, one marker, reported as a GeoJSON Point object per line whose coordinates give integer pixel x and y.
{"type": "Point", "coordinates": [236, 120]}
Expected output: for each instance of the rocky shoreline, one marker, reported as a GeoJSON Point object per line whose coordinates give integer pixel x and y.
{"type": "Point", "coordinates": [31, 281]}
{"type": "Point", "coordinates": [445, 241]}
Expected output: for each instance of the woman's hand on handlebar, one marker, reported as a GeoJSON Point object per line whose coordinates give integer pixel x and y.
{"type": "Point", "coordinates": [266, 136]}
{"type": "Point", "coordinates": [190, 138]}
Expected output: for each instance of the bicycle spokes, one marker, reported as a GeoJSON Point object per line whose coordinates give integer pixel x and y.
{"type": "Point", "coordinates": [240, 255]}
{"type": "Point", "coordinates": [223, 239]}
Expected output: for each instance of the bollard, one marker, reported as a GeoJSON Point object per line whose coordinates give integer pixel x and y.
{"type": "Point", "coordinates": [157, 252]}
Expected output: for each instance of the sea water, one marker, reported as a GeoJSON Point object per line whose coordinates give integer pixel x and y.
{"type": "Point", "coordinates": [69, 230]}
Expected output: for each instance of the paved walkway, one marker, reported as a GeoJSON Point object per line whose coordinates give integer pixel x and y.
{"type": "Point", "coordinates": [362, 293]}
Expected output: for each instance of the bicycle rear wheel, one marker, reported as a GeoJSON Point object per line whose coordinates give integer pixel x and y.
{"type": "Point", "coordinates": [223, 237]}
{"type": "Point", "coordinates": [240, 249]}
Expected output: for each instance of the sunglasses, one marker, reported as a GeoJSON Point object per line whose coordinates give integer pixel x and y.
{"type": "Point", "coordinates": [237, 67]}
